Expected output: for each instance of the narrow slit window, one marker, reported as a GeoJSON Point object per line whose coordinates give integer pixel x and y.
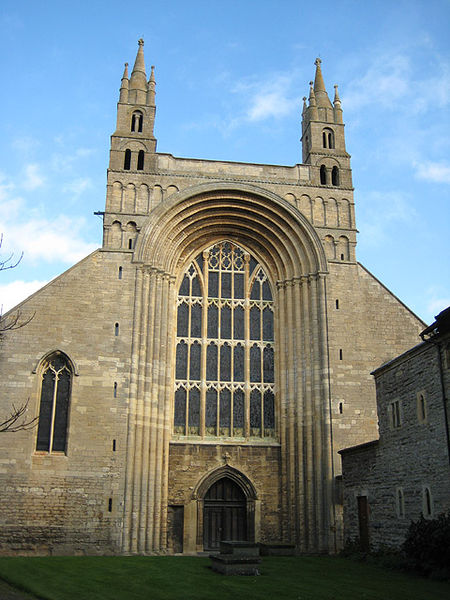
{"type": "Point", "coordinates": [140, 161]}
{"type": "Point", "coordinates": [340, 354]}
{"type": "Point", "coordinates": [115, 390]}
{"type": "Point", "coordinates": [337, 304]}
{"type": "Point", "coordinates": [109, 504]}
{"type": "Point", "coordinates": [127, 160]}
{"type": "Point", "coordinates": [116, 329]}
{"type": "Point", "coordinates": [120, 272]}
{"type": "Point", "coordinates": [114, 446]}
{"type": "Point", "coordinates": [323, 175]}
{"type": "Point", "coordinates": [130, 244]}
{"type": "Point", "coordinates": [335, 176]}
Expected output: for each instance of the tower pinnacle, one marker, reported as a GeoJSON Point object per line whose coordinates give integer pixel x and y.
{"type": "Point", "coordinates": [138, 79]}
{"type": "Point", "coordinates": [319, 87]}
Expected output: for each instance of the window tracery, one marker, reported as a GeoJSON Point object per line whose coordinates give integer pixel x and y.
{"type": "Point", "coordinates": [224, 366]}
{"type": "Point", "coordinates": [54, 404]}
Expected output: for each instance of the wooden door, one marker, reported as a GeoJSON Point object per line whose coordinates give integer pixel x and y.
{"type": "Point", "coordinates": [225, 514]}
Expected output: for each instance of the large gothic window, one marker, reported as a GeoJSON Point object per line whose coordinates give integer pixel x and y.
{"type": "Point", "coordinates": [224, 374]}
{"type": "Point", "coordinates": [54, 406]}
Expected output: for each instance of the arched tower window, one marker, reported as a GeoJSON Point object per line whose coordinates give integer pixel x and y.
{"type": "Point", "coordinates": [224, 375]}
{"type": "Point", "coordinates": [328, 138]}
{"type": "Point", "coordinates": [335, 176]}
{"type": "Point", "coordinates": [140, 160]}
{"type": "Point", "coordinates": [323, 175]}
{"type": "Point", "coordinates": [136, 121]}
{"type": "Point", "coordinates": [54, 404]}
{"type": "Point", "coordinates": [127, 160]}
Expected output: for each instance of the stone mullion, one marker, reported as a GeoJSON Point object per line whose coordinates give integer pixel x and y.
{"type": "Point", "coordinates": [318, 416]}
{"type": "Point", "coordinates": [308, 456]}
{"type": "Point", "coordinates": [137, 359]}
{"type": "Point", "coordinates": [204, 333]}
{"type": "Point", "coordinates": [283, 394]}
{"type": "Point", "coordinates": [168, 399]}
{"type": "Point", "coordinates": [328, 506]}
{"type": "Point", "coordinates": [246, 346]}
{"type": "Point", "coordinates": [159, 405]}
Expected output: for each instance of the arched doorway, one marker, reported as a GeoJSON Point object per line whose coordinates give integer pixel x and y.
{"type": "Point", "coordinates": [224, 514]}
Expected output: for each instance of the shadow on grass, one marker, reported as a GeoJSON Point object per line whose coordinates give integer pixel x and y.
{"type": "Point", "coordinates": [190, 578]}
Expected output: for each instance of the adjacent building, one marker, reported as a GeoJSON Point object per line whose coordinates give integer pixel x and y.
{"type": "Point", "coordinates": [406, 472]}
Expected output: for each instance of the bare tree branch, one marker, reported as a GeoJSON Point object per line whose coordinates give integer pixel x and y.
{"type": "Point", "coordinates": [17, 420]}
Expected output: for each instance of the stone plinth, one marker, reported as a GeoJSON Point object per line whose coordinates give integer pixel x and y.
{"type": "Point", "coordinates": [237, 558]}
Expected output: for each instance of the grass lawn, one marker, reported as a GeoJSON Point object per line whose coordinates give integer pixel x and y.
{"type": "Point", "coordinates": [189, 578]}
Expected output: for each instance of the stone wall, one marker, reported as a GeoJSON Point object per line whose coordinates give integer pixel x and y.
{"type": "Point", "coordinates": [411, 455]}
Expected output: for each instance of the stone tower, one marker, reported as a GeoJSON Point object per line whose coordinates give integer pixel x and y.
{"type": "Point", "coordinates": [216, 352]}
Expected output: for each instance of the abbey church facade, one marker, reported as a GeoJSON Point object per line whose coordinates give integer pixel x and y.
{"type": "Point", "coordinates": [196, 376]}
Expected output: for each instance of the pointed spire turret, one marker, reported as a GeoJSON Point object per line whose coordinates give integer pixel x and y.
{"type": "Point", "coordinates": [319, 87]}
{"type": "Point", "coordinates": [151, 88]}
{"type": "Point", "coordinates": [337, 106]}
{"type": "Point", "coordinates": [124, 85]}
{"type": "Point", "coordinates": [138, 79]}
{"type": "Point", "coordinates": [313, 115]}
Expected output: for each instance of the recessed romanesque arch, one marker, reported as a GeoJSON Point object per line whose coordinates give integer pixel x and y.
{"type": "Point", "coordinates": [288, 248]}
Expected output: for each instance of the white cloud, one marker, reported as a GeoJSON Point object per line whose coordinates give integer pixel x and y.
{"type": "Point", "coordinates": [58, 239]}
{"type": "Point", "coordinates": [14, 292]}
{"type": "Point", "coordinates": [379, 212]}
{"type": "Point", "coordinates": [267, 98]}
{"type": "Point", "coordinates": [76, 187]}
{"type": "Point", "coordinates": [436, 172]}
{"type": "Point", "coordinates": [33, 179]}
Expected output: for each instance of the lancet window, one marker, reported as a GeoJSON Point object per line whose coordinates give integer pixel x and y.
{"type": "Point", "coordinates": [224, 379]}
{"type": "Point", "coordinates": [54, 405]}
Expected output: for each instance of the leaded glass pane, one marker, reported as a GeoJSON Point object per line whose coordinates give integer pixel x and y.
{"type": "Point", "coordinates": [213, 284]}
{"type": "Point", "coordinates": [61, 411]}
{"type": "Point", "coordinates": [255, 413]}
{"type": "Point", "coordinates": [238, 412]}
{"type": "Point", "coordinates": [256, 291]}
{"type": "Point", "coordinates": [181, 361]}
{"type": "Point", "coordinates": [225, 363]}
{"type": "Point", "coordinates": [226, 285]}
{"type": "Point", "coordinates": [268, 365]}
{"type": "Point", "coordinates": [255, 323]}
{"type": "Point", "coordinates": [225, 322]}
{"type": "Point", "coordinates": [238, 285]}
{"type": "Point", "coordinates": [213, 321]}
{"type": "Point", "coordinates": [180, 410]}
{"type": "Point", "coordinates": [196, 320]}
{"type": "Point", "coordinates": [184, 287]}
{"type": "Point", "coordinates": [194, 364]}
{"type": "Point", "coordinates": [225, 411]}
{"type": "Point", "coordinates": [211, 411]}
{"type": "Point", "coordinates": [255, 364]}
{"type": "Point", "coordinates": [194, 411]}
{"type": "Point", "coordinates": [211, 363]}
{"type": "Point", "coordinates": [266, 293]}
{"type": "Point", "coordinates": [269, 412]}
{"type": "Point", "coordinates": [252, 265]}
{"type": "Point", "coordinates": [238, 325]}
{"type": "Point", "coordinates": [45, 412]}
{"type": "Point", "coordinates": [183, 320]}
{"type": "Point", "coordinates": [267, 324]}
{"type": "Point", "coordinates": [238, 363]}
{"type": "Point", "coordinates": [196, 287]}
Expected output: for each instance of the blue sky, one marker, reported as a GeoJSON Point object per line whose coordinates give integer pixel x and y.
{"type": "Point", "coordinates": [230, 79]}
